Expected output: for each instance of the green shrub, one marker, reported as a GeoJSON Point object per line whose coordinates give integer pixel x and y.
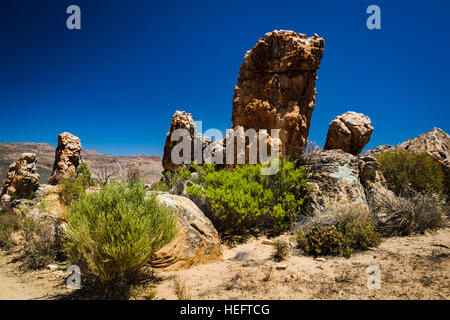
{"type": "Point", "coordinates": [347, 232]}
{"type": "Point", "coordinates": [84, 174]}
{"type": "Point", "coordinates": [74, 186]}
{"type": "Point", "coordinates": [113, 233]}
{"type": "Point", "coordinates": [159, 186]}
{"type": "Point", "coordinates": [417, 171]}
{"type": "Point", "coordinates": [243, 200]}
{"type": "Point", "coordinates": [359, 230]}
{"type": "Point", "coordinates": [324, 240]}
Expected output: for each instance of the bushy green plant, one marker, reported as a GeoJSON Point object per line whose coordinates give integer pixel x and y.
{"type": "Point", "coordinates": [75, 185]}
{"type": "Point", "coordinates": [323, 240]}
{"type": "Point", "coordinates": [159, 186]}
{"type": "Point", "coordinates": [114, 232]}
{"type": "Point", "coordinates": [417, 171]}
{"type": "Point", "coordinates": [84, 174]}
{"type": "Point", "coordinates": [349, 231]}
{"type": "Point", "coordinates": [72, 188]}
{"type": "Point", "coordinates": [359, 230]}
{"type": "Point", "coordinates": [242, 199]}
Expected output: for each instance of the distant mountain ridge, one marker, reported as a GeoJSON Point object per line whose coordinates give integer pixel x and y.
{"type": "Point", "coordinates": [150, 166]}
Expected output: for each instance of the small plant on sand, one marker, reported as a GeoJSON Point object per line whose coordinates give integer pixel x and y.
{"type": "Point", "coordinates": [280, 250]}
{"type": "Point", "coordinates": [346, 231]}
{"type": "Point", "coordinates": [180, 289]}
{"type": "Point", "coordinates": [268, 274]}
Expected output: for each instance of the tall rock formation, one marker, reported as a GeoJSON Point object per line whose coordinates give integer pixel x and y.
{"type": "Point", "coordinates": [184, 121]}
{"type": "Point", "coordinates": [21, 179]}
{"type": "Point", "coordinates": [350, 132]}
{"type": "Point", "coordinates": [67, 157]}
{"type": "Point", "coordinates": [276, 87]}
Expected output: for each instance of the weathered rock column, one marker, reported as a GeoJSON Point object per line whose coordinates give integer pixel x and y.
{"type": "Point", "coordinates": [67, 157]}
{"type": "Point", "coordinates": [183, 121]}
{"type": "Point", "coordinates": [276, 87]}
{"type": "Point", "coordinates": [21, 179]}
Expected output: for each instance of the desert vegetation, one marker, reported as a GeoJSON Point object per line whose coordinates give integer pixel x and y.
{"type": "Point", "coordinates": [338, 233]}
{"type": "Point", "coordinates": [242, 201]}
{"type": "Point", "coordinates": [114, 232]}
{"type": "Point", "coordinates": [110, 232]}
{"type": "Point", "coordinates": [411, 170]}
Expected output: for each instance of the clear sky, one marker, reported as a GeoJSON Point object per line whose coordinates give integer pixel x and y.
{"type": "Point", "coordinates": [117, 82]}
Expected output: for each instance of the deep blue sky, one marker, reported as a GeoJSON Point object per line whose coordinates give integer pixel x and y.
{"type": "Point", "coordinates": [116, 82]}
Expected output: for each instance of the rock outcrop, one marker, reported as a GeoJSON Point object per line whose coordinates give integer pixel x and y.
{"type": "Point", "coordinates": [184, 121]}
{"type": "Point", "coordinates": [374, 185]}
{"type": "Point", "coordinates": [276, 87]}
{"type": "Point", "coordinates": [434, 142]}
{"type": "Point", "coordinates": [349, 132]}
{"type": "Point", "coordinates": [334, 176]}
{"type": "Point", "coordinates": [341, 180]}
{"type": "Point", "coordinates": [21, 179]}
{"type": "Point", "coordinates": [67, 157]}
{"type": "Point", "coordinates": [197, 241]}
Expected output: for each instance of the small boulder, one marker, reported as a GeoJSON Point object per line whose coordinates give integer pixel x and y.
{"type": "Point", "coordinates": [336, 184]}
{"type": "Point", "coordinates": [349, 132]}
{"type": "Point", "coordinates": [375, 185]}
{"type": "Point", "coordinates": [197, 241]}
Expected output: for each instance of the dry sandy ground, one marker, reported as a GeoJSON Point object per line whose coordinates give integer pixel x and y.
{"type": "Point", "coordinates": [415, 267]}
{"type": "Point", "coordinates": [18, 284]}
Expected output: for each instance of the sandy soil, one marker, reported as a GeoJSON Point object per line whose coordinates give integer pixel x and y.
{"type": "Point", "coordinates": [415, 267]}
{"type": "Point", "coordinates": [19, 284]}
